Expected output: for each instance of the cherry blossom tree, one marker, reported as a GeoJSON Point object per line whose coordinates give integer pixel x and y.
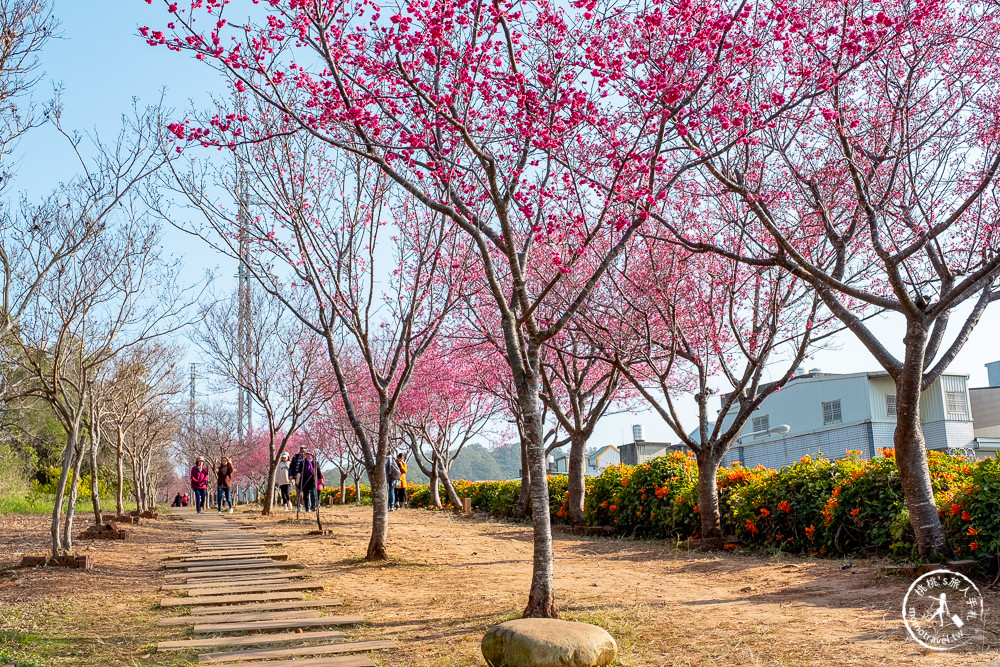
{"type": "Point", "coordinates": [351, 257]}
{"type": "Point", "coordinates": [877, 188]}
{"type": "Point", "coordinates": [442, 411]}
{"type": "Point", "coordinates": [275, 361]}
{"type": "Point", "coordinates": [681, 322]}
{"type": "Point", "coordinates": [506, 120]}
{"type": "Point", "coordinates": [579, 388]}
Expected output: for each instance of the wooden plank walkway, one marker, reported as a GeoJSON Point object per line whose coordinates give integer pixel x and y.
{"type": "Point", "coordinates": [236, 585]}
{"type": "Point", "coordinates": [238, 618]}
{"type": "Point", "coordinates": [284, 564]}
{"type": "Point", "coordinates": [276, 624]}
{"type": "Point", "coordinates": [334, 661]}
{"type": "Point", "coordinates": [216, 562]}
{"type": "Point", "coordinates": [249, 640]}
{"type": "Point", "coordinates": [265, 586]}
{"type": "Point", "coordinates": [266, 606]}
{"type": "Point", "coordinates": [322, 649]}
{"type": "Point", "coordinates": [263, 570]}
{"type": "Point", "coordinates": [231, 599]}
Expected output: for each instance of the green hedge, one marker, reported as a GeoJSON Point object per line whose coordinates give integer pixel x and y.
{"type": "Point", "coordinates": [850, 506]}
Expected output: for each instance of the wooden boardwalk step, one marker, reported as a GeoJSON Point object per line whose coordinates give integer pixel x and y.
{"type": "Point", "coordinates": [223, 580]}
{"type": "Point", "coordinates": [240, 618]}
{"type": "Point", "coordinates": [231, 599]}
{"type": "Point", "coordinates": [220, 578]}
{"type": "Point", "coordinates": [206, 555]}
{"type": "Point", "coordinates": [246, 566]}
{"type": "Point", "coordinates": [266, 606]}
{"type": "Point", "coordinates": [263, 570]}
{"type": "Point", "coordinates": [249, 640]}
{"type": "Point", "coordinates": [278, 624]}
{"type": "Point", "coordinates": [242, 538]}
{"type": "Point", "coordinates": [262, 587]}
{"type": "Point", "coordinates": [223, 562]}
{"type": "Point", "coordinates": [333, 661]}
{"type": "Point", "coordinates": [323, 649]}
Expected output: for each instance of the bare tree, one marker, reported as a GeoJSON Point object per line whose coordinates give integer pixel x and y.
{"type": "Point", "coordinates": [142, 380]}
{"type": "Point", "coordinates": [364, 261]}
{"type": "Point", "coordinates": [578, 388]}
{"type": "Point", "coordinates": [273, 357]}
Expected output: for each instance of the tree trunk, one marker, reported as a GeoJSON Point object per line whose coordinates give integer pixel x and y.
{"type": "Point", "coordinates": [380, 499]}
{"type": "Point", "coordinates": [541, 597]}
{"type": "Point", "coordinates": [524, 497]}
{"type": "Point", "coordinates": [95, 496]}
{"type": "Point", "coordinates": [708, 497]}
{"type": "Point", "coordinates": [433, 489]}
{"type": "Point", "coordinates": [357, 491]}
{"type": "Point", "coordinates": [74, 493]}
{"type": "Point", "coordinates": [272, 475]}
{"type": "Point", "coordinates": [120, 481]}
{"type": "Point", "coordinates": [911, 450]}
{"type": "Point", "coordinates": [449, 489]}
{"type": "Point", "coordinates": [577, 478]}
{"type": "Point", "coordinates": [136, 488]}
{"type": "Point", "coordinates": [67, 464]}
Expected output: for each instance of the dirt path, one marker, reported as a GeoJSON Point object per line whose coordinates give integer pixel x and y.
{"type": "Point", "coordinates": [450, 579]}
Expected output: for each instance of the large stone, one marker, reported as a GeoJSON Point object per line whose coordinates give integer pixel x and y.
{"type": "Point", "coordinates": [548, 642]}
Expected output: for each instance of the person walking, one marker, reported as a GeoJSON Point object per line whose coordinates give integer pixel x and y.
{"type": "Point", "coordinates": [199, 482]}
{"type": "Point", "coordinates": [224, 481]}
{"type": "Point", "coordinates": [309, 482]}
{"type": "Point", "coordinates": [391, 477]}
{"type": "Point", "coordinates": [283, 480]}
{"type": "Point", "coordinates": [295, 473]}
{"type": "Point", "coordinates": [401, 499]}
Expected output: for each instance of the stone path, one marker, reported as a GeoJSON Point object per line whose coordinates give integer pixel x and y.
{"type": "Point", "coordinates": [247, 604]}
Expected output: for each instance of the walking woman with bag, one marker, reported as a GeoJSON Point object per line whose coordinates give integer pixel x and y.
{"type": "Point", "coordinates": [283, 479]}
{"type": "Point", "coordinates": [225, 480]}
{"type": "Point", "coordinates": [199, 482]}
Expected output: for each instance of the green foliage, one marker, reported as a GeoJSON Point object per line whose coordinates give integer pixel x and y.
{"type": "Point", "coordinates": [777, 508]}
{"type": "Point", "coordinates": [850, 506]}
{"type": "Point", "coordinates": [13, 480]}
{"type": "Point", "coordinates": [972, 511]}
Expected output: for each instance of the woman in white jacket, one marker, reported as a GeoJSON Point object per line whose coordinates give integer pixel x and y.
{"type": "Point", "coordinates": [283, 481]}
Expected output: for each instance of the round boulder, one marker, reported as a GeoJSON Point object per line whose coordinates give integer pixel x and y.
{"type": "Point", "coordinates": [548, 642]}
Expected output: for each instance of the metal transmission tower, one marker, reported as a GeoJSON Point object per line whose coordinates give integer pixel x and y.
{"type": "Point", "coordinates": [244, 408]}
{"type": "Point", "coordinates": [192, 403]}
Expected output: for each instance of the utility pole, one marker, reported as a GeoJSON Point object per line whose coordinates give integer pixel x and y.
{"type": "Point", "coordinates": [192, 407]}
{"type": "Point", "coordinates": [244, 408]}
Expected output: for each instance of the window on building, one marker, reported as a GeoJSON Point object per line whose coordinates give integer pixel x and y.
{"type": "Point", "coordinates": [831, 412]}
{"type": "Point", "coordinates": [955, 404]}
{"type": "Point", "coordinates": [761, 425]}
{"type": "Point", "coordinates": [890, 405]}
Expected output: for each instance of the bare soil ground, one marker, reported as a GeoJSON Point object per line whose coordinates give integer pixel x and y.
{"type": "Point", "coordinates": [450, 579]}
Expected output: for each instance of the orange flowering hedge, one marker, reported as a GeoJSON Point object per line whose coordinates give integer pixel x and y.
{"type": "Point", "coordinates": [334, 492]}
{"type": "Point", "coordinates": [850, 506]}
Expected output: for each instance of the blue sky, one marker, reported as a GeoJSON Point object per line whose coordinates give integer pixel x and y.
{"type": "Point", "coordinates": [102, 64]}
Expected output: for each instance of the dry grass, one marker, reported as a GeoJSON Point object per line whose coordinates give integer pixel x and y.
{"type": "Point", "coordinates": [449, 580]}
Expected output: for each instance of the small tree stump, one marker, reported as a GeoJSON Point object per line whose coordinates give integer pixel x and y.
{"type": "Point", "coordinates": [467, 506]}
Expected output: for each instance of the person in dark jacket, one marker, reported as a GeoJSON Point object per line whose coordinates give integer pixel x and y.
{"type": "Point", "coordinates": [295, 472]}
{"type": "Point", "coordinates": [224, 480]}
{"type": "Point", "coordinates": [391, 477]}
{"type": "Point", "coordinates": [199, 482]}
{"type": "Point", "coordinates": [310, 480]}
